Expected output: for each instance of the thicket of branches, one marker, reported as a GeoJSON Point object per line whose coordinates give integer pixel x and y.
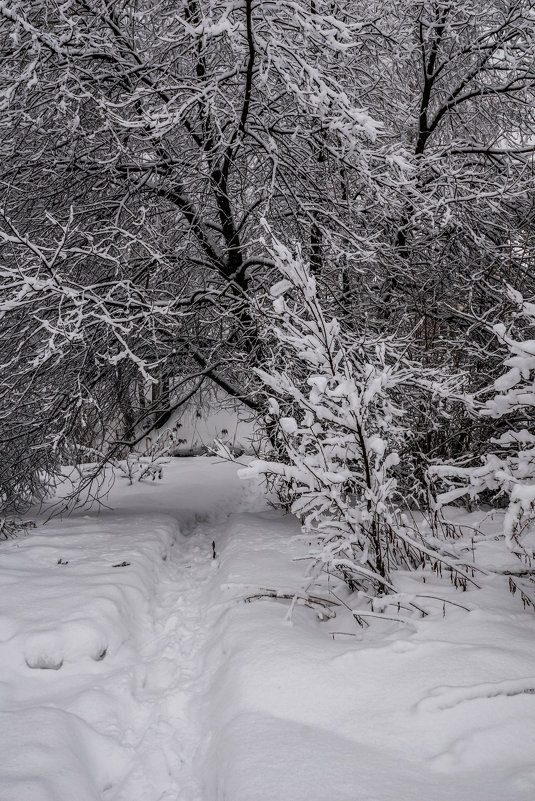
{"type": "Point", "coordinates": [334, 400]}
{"type": "Point", "coordinates": [145, 147]}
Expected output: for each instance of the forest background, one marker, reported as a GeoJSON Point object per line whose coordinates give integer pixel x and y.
{"type": "Point", "coordinates": [324, 209]}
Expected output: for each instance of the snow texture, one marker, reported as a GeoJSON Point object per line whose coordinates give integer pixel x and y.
{"type": "Point", "coordinates": [135, 666]}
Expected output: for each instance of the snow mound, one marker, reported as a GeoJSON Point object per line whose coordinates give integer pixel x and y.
{"type": "Point", "coordinates": [78, 590]}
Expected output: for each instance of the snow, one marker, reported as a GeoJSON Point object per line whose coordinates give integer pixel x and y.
{"type": "Point", "coordinates": [387, 714]}
{"type": "Point", "coordinates": [135, 666]}
{"type": "Point", "coordinates": [91, 586]}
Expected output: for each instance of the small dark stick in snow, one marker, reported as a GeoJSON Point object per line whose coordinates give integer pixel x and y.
{"type": "Point", "coordinates": [214, 555]}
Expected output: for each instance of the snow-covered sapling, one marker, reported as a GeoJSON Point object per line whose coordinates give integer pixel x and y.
{"type": "Point", "coordinates": [339, 430]}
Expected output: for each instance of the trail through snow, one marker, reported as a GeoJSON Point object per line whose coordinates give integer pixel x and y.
{"type": "Point", "coordinates": [136, 667]}
{"type": "Point", "coordinates": [172, 678]}
{"type": "Point", "coordinates": [130, 716]}
{"type": "Point", "coordinates": [104, 619]}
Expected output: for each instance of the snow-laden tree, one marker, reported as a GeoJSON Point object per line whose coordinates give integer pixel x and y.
{"type": "Point", "coordinates": [142, 143]}
{"type": "Point", "coordinates": [453, 85]}
{"type": "Point", "coordinates": [455, 89]}
{"type": "Point", "coordinates": [508, 466]}
{"type": "Point", "coordinates": [333, 404]}
{"type": "Point", "coordinates": [139, 144]}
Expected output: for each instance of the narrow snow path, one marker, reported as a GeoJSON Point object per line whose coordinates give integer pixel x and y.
{"type": "Point", "coordinates": [103, 623]}
{"type": "Point", "coordinates": [171, 679]}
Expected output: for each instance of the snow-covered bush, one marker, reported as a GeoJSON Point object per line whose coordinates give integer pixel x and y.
{"type": "Point", "coordinates": [509, 467]}
{"type": "Point", "coordinates": [149, 462]}
{"type": "Point", "coordinates": [11, 528]}
{"type": "Point", "coordinates": [338, 431]}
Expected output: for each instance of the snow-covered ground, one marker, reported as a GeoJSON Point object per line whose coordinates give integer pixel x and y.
{"type": "Point", "coordinates": [134, 666]}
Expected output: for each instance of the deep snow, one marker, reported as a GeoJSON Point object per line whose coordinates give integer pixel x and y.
{"type": "Point", "coordinates": [136, 667]}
